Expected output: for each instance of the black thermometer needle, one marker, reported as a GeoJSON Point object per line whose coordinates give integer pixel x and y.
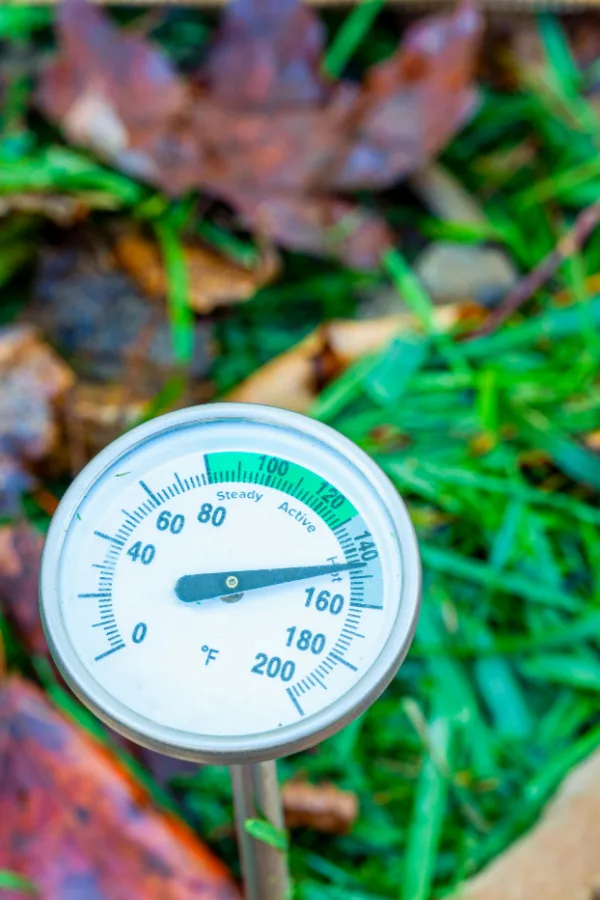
{"type": "Point", "coordinates": [193, 588]}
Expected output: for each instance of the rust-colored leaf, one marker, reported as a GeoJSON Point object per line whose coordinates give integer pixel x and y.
{"type": "Point", "coordinates": [260, 127]}
{"type": "Point", "coordinates": [323, 807]}
{"type": "Point", "coordinates": [118, 95]}
{"type": "Point", "coordinates": [33, 379]}
{"type": "Point", "coordinates": [317, 225]}
{"type": "Point", "coordinates": [20, 555]}
{"type": "Point", "coordinates": [73, 822]}
{"type": "Point", "coordinates": [214, 280]}
{"type": "Point", "coordinates": [413, 103]}
{"type": "Point", "coordinates": [267, 53]}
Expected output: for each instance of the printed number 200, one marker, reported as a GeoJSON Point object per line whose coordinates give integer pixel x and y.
{"type": "Point", "coordinates": [275, 668]}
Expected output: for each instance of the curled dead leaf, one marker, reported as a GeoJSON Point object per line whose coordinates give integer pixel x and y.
{"type": "Point", "coordinates": [214, 280]}
{"type": "Point", "coordinates": [323, 807]}
{"type": "Point", "coordinates": [59, 208]}
{"type": "Point", "coordinates": [33, 380]}
{"type": "Point", "coordinates": [118, 95]}
{"type": "Point", "coordinates": [293, 379]}
{"type": "Point", "coordinates": [259, 127]}
{"type": "Point", "coordinates": [99, 413]}
{"type": "Point", "coordinates": [100, 320]}
{"type": "Point", "coordinates": [73, 821]}
{"type": "Point", "coordinates": [20, 555]}
{"type": "Point", "coordinates": [412, 103]}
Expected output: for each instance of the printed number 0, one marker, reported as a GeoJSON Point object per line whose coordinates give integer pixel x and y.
{"type": "Point", "coordinates": [139, 632]}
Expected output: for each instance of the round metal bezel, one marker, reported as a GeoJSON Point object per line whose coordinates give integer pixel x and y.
{"type": "Point", "coordinates": [253, 747]}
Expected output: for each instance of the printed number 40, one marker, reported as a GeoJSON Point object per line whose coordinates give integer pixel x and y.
{"type": "Point", "coordinates": [144, 554]}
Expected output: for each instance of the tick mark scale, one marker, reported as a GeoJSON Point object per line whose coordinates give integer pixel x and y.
{"type": "Point", "coordinates": [204, 604]}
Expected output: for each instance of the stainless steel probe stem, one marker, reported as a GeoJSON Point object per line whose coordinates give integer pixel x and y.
{"type": "Point", "coordinates": [256, 795]}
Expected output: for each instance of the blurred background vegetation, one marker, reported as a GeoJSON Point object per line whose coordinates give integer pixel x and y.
{"type": "Point", "coordinates": [492, 439]}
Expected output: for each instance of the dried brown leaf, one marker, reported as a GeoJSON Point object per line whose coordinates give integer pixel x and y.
{"type": "Point", "coordinates": [267, 54]}
{"type": "Point", "coordinates": [214, 280]}
{"type": "Point", "coordinates": [319, 225]}
{"type": "Point", "coordinates": [33, 379]}
{"type": "Point", "coordinates": [119, 96]}
{"type": "Point", "coordinates": [293, 379]}
{"type": "Point", "coordinates": [323, 807]}
{"type": "Point", "coordinates": [59, 208]}
{"type": "Point", "coordinates": [558, 858]}
{"type": "Point", "coordinates": [100, 320]}
{"type": "Point", "coordinates": [261, 128]}
{"type": "Point", "coordinates": [413, 103]}
{"type": "Point", "coordinates": [73, 821]}
{"type": "Point", "coordinates": [99, 413]}
{"type": "Point", "coordinates": [20, 555]}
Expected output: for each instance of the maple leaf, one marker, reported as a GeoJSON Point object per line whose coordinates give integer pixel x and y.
{"type": "Point", "coordinates": [121, 97]}
{"type": "Point", "coordinates": [259, 126]}
{"type": "Point", "coordinates": [74, 823]}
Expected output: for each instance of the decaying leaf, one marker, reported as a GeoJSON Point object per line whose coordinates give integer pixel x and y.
{"type": "Point", "coordinates": [260, 127]}
{"type": "Point", "coordinates": [117, 339]}
{"type": "Point", "coordinates": [73, 822]}
{"type": "Point", "coordinates": [119, 96]}
{"type": "Point", "coordinates": [293, 379]}
{"type": "Point", "coordinates": [33, 379]}
{"type": "Point", "coordinates": [59, 208]}
{"type": "Point", "coordinates": [558, 859]}
{"type": "Point", "coordinates": [99, 413]}
{"type": "Point", "coordinates": [323, 807]}
{"type": "Point", "coordinates": [20, 555]}
{"type": "Point", "coordinates": [214, 280]}
{"type": "Point", "coordinates": [99, 319]}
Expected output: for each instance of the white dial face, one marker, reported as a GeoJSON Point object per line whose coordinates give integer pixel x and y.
{"type": "Point", "coordinates": [225, 579]}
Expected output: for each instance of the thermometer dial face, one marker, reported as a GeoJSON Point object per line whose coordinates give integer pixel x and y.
{"type": "Point", "coordinates": [230, 582]}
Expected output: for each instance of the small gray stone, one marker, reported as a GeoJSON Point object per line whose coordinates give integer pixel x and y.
{"type": "Point", "coordinates": [457, 272]}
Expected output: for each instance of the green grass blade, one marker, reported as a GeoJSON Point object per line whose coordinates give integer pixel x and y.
{"type": "Point", "coordinates": [181, 317]}
{"type": "Point", "coordinates": [483, 574]}
{"type": "Point", "coordinates": [12, 881]}
{"type": "Point", "coordinates": [429, 809]}
{"type": "Point", "coordinates": [419, 302]}
{"type": "Point", "coordinates": [348, 38]}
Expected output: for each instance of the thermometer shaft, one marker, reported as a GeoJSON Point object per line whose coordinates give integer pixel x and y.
{"type": "Point", "coordinates": [256, 795]}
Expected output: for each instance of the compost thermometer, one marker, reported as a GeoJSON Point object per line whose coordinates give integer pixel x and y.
{"type": "Point", "coordinates": [230, 583]}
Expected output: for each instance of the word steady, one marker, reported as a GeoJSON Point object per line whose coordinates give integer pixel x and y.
{"type": "Point", "coordinates": [239, 495]}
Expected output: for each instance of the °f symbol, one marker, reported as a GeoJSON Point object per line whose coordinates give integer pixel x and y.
{"type": "Point", "coordinates": [211, 653]}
